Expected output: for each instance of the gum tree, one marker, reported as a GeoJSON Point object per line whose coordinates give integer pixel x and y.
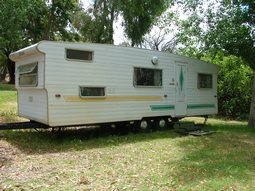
{"type": "Point", "coordinates": [13, 20]}
{"type": "Point", "coordinates": [139, 17]}
{"type": "Point", "coordinates": [225, 25]}
{"type": "Point", "coordinates": [29, 21]}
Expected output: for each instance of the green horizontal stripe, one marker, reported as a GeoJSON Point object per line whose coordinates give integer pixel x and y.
{"type": "Point", "coordinates": [162, 107]}
{"type": "Point", "coordinates": [200, 106]}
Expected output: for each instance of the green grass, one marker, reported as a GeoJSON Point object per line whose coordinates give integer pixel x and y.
{"type": "Point", "coordinates": [7, 98]}
{"type": "Point", "coordinates": [154, 161]}
{"type": "Point", "coordinates": [7, 87]}
{"type": "Point", "coordinates": [99, 160]}
{"type": "Point", "coordinates": [8, 103]}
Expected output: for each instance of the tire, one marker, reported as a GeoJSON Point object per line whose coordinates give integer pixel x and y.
{"type": "Point", "coordinates": [143, 125]}
{"type": "Point", "coordinates": [161, 123]}
{"type": "Point", "coordinates": [173, 122]}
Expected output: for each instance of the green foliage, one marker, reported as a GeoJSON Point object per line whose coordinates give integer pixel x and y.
{"type": "Point", "coordinates": [29, 21]}
{"type": "Point", "coordinates": [84, 24]}
{"type": "Point", "coordinates": [234, 85]}
{"type": "Point", "coordinates": [12, 29]}
{"type": "Point", "coordinates": [232, 32]}
{"type": "Point", "coordinates": [36, 21]}
{"type": "Point", "coordinates": [96, 25]}
{"type": "Point", "coordinates": [59, 16]}
{"type": "Point", "coordinates": [105, 12]}
{"type": "Point", "coordinates": [220, 25]}
{"type": "Point", "coordinates": [227, 26]}
{"type": "Point", "coordinates": [49, 20]}
{"type": "Point", "coordinates": [12, 19]}
{"type": "Point", "coordinates": [139, 16]}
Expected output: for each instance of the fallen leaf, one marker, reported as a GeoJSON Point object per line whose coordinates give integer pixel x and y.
{"type": "Point", "coordinates": [84, 180]}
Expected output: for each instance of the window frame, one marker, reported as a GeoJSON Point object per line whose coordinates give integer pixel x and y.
{"type": "Point", "coordinates": [81, 96]}
{"type": "Point", "coordinates": [29, 73]}
{"type": "Point", "coordinates": [144, 86]}
{"type": "Point", "coordinates": [198, 82]}
{"type": "Point", "coordinates": [79, 60]}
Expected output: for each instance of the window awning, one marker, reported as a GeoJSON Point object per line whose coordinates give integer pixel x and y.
{"type": "Point", "coordinates": [28, 68]}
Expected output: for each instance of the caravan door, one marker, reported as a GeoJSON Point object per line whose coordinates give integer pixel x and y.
{"type": "Point", "coordinates": [181, 89]}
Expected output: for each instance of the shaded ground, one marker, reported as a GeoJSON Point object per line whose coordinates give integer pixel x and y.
{"type": "Point", "coordinates": [7, 152]}
{"type": "Point", "coordinates": [97, 160]}
{"type": "Point", "coordinates": [101, 162]}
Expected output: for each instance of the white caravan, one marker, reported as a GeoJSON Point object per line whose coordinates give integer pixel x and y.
{"type": "Point", "coordinates": [67, 84]}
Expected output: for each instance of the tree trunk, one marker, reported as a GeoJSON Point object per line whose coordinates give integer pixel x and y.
{"type": "Point", "coordinates": [111, 27]}
{"type": "Point", "coordinates": [4, 73]}
{"type": "Point", "coordinates": [251, 122]}
{"type": "Point", "coordinates": [11, 70]}
{"type": "Point", "coordinates": [47, 35]}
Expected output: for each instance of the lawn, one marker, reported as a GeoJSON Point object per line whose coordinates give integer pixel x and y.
{"type": "Point", "coordinates": [95, 159]}
{"type": "Point", "coordinates": [8, 103]}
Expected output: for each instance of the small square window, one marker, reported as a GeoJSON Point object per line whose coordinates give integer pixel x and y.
{"type": "Point", "coordinates": [28, 75]}
{"type": "Point", "coordinates": [204, 81]}
{"type": "Point", "coordinates": [92, 91]}
{"type": "Point", "coordinates": [81, 55]}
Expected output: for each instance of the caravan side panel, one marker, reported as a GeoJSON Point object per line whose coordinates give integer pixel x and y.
{"type": "Point", "coordinates": [56, 99]}
{"type": "Point", "coordinates": [32, 101]}
{"type": "Point", "coordinates": [112, 68]}
{"type": "Point", "coordinates": [201, 101]}
{"type": "Point", "coordinates": [32, 104]}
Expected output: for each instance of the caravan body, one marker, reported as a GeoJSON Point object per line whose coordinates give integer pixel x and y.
{"type": "Point", "coordinates": [65, 84]}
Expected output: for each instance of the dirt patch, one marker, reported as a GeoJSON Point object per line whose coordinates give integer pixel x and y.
{"type": "Point", "coordinates": [7, 152]}
{"type": "Point", "coordinates": [11, 119]}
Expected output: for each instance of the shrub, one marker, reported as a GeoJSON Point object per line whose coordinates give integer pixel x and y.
{"type": "Point", "coordinates": [234, 85]}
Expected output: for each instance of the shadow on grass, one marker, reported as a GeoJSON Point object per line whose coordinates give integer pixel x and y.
{"type": "Point", "coordinates": [7, 87]}
{"type": "Point", "coordinates": [224, 159]}
{"type": "Point", "coordinates": [33, 142]}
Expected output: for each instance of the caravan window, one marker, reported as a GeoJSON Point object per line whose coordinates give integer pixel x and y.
{"type": "Point", "coordinates": [80, 55]}
{"type": "Point", "coordinates": [28, 74]}
{"type": "Point", "coordinates": [147, 77]}
{"type": "Point", "coordinates": [204, 81]}
{"type": "Point", "coordinates": [92, 91]}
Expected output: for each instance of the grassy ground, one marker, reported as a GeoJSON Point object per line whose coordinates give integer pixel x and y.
{"type": "Point", "coordinates": [99, 160]}
{"type": "Point", "coordinates": [7, 87]}
{"type": "Point", "coordinates": [8, 103]}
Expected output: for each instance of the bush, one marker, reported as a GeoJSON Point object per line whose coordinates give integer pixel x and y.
{"type": "Point", "coordinates": [234, 85]}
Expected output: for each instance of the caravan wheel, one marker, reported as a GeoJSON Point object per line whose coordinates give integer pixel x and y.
{"type": "Point", "coordinates": [144, 125]}
{"type": "Point", "coordinates": [161, 123]}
